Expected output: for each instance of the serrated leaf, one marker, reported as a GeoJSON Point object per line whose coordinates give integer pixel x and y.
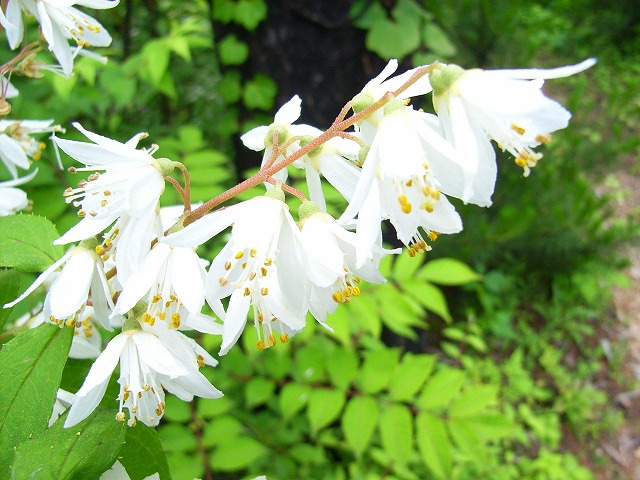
{"type": "Point", "coordinates": [143, 442]}
{"type": "Point", "coordinates": [396, 431]}
{"type": "Point", "coordinates": [448, 271]}
{"type": "Point", "coordinates": [293, 397]}
{"type": "Point", "coordinates": [258, 391]}
{"type": "Point", "coordinates": [84, 451]}
{"type": "Point", "coordinates": [359, 422]}
{"type": "Point", "coordinates": [236, 454]}
{"type": "Point", "coordinates": [9, 284]}
{"type": "Point", "coordinates": [408, 376]}
{"type": "Point", "coordinates": [232, 51]}
{"type": "Point", "coordinates": [434, 444]}
{"type": "Point", "coordinates": [473, 400]}
{"type": "Point", "coordinates": [324, 407]}
{"type": "Point", "coordinates": [31, 366]}
{"type": "Point", "coordinates": [342, 366]}
{"type": "Point", "coordinates": [377, 369]}
{"type": "Point", "coordinates": [436, 40]}
{"type": "Point", "coordinates": [441, 388]}
{"type": "Point", "coordinates": [249, 13]}
{"type": "Point", "coordinates": [430, 297]}
{"type": "Point", "coordinates": [26, 243]}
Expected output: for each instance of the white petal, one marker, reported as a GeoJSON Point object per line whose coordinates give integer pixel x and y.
{"type": "Point", "coordinates": [235, 320]}
{"type": "Point", "coordinates": [85, 404]}
{"type": "Point", "coordinates": [71, 288]}
{"type": "Point", "coordinates": [153, 353]}
{"type": "Point", "coordinates": [254, 138]}
{"type": "Point", "coordinates": [188, 278]}
{"type": "Point", "coordinates": [289, 112]}
{"type": "Point", "coordinates": [550, 73]}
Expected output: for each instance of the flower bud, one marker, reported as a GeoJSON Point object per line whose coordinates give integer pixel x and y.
{"type": "Point", "coordinates": [442, 78]}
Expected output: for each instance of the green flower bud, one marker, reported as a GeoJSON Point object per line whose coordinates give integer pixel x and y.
{"type": "Point", "coordinates": [165, 166]}
{"type": "Point", "coordinates": [362, 101]}
{"type": "Point", "coordinates": [307, 209]}
{"type": "Point", "coordinates": [275, 193]}
{"type": "Point", "coordinates": [283, 134]}
{"type": "Point", "coordinates": [441, 79]}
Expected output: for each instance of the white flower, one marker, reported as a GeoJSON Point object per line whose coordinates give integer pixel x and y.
{"type": "Point", "coordinates": [128, 191]}
{"type": "Point", "coordinates": [63, 400]}
{"type": "Point", "coordinates": [118, 472]}
{"type": "Point", "coordinates": [397, 181]}
{"type": "Point", "coordinates": [13, 199]}
{"type": "Point", "coordinates": [59, 21]}
{"type": "Point", "coordinates": [147, 364]}
{"type": "Point", "coordinates": [169, 277]}
{"type": "Point", "coordinates": [259, 266]}
{"type": "Point", "coordinates": [329, 260]}
{"type": "Point", "coordinates": [81, 275]}
{"type": "Point", "coordinates": [261, 138]}
{"type": "Point", "coordinates": [507, 106]}
{"type": "Point", "coordinates": [16, 144]}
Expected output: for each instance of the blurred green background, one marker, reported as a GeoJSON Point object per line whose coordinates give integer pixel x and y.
{"type": "Point", "coordinates": [482, 359]}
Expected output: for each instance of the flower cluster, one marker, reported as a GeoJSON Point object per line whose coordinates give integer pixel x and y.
{"type": "Point", "coordinates": [138, 271]}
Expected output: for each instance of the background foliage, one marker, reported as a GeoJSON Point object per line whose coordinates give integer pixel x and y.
{"type": "Point", "coordinates": [480, 360]}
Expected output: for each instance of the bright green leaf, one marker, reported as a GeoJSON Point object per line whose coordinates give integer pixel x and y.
{"type": "Point", "coordinates": [9, 284]}
{"type": "Point", "coordinates": [436, 40]}
{"type": "Point", "coordinates": [232, 51]}
{"type": "Point", "coordinates": [31, 366]}
{"type": "Point", "coordinates": [408, 376]}
{"type": "Point", "coordinates": [230, 86]}
{"type": "Point", "coordinates": [391, 39]}
{"type": "Point", "coordinates": [473, 400]}
{"type": "Point", "coordinates": [249, 13]}
{"type": "Point", "coordinates": [220, 430]}
{"type": "Point", "coordinates": [143, 442]}
{"type": "Point", "coordinates": [431, 298]}
{"type": "Point", "coordinates": [177, 410]}
{"type": "Point", "coordinates": [224, 10]}
{"type": "Point", "coordinates": [324, 407]}
{"type": "Point", "coordinates": [157, 54]}
{"type": "Point", "coordinates": [448, 271]}
{"type": "Point", "coordinates": [342, 366]}
{"type": "Point", "coordinates": [258, 390]}
{"type": "Point", "coordinates": [259, 93]}
{"type": "Point", "coordinates": [84, 451]}
{"type": "Point", "coordinates": [293, 397]}
{"type": "Point", "coordinates": [441, 388]}
{"type": "Point", "coordinates": [396, 431]}
{"type": "Point", "coordinates": [177, 438]}
{"type": "Point", "coordinates": [359, 422]}
{"type": "Point", "coordinates": [236, 454]}
{"type": "Point", "coordinates": [377, 369]}
{"type": "Point", "coordinates": [434, 444]}
{"type": "Point", "coordinates": [26, 243]}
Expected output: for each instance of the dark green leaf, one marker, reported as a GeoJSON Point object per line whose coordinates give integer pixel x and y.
{"type": "Point", "coordinates": [83, 451]}
{"type": "Point", "coordinates": [249, 13]}
{"type": "Point", "coordinates": [232, 51]}
{"type": "Point", "coordinates": [143, 442]}
{"type": "Point", "coordinates": [26, 243]}
{"type": "Point", "coordinates": [259, 93]}
{"type": "Point", "coordinates": [9, 284]}
{"type": "Point", "coordinates": [31, 366]}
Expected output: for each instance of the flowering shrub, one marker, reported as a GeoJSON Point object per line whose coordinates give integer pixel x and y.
{"type": "Point", "coordinates": [136, 270]}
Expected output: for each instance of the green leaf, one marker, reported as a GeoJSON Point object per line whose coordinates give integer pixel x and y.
{"type": "Point", "coordinates": [405, 266]}
{"type": "Point", "coordinates": [408, 376]}
{"type": "Point", "coordinates": [143, 442]}
{"type": "Point", "coordinates": [177, 438]}
{"type": "Point", "coordinates": [157, 54]}
{"type": "Point", "coordinates": [448, 271]}
{"type": "Point", "coordinates": [359, 421]}
{"type": "Point", "coordinates": [232, 51]}
{"type": "Point", "coordinates": [9, 284]}
{"type": "Point", "coordinates": [236, 454]}
{"type": "Point", "coordinates": [83, 451]}
{"type": "Point", "coordinates": [26, 243]}
{"type": "Point", "coordinates": [324, 407]}
{"type": "Point", "coordinates": [31, 366]}
{"type": "Point", "coordinates": [220, 430]}
{"type": "Point", "coordinates": [437, 41]}
{"type": "Point", "coordinates": [177, 410]}
{"type": "Point", "coordinates": [249, 13]}
{"type": "Point", "coordinates": [224, 10]}
{"type": "Point", "coordinates": [441, 388]}
{"type": "Point", "coordinates": [293, 397]}
{"type": "Point", "coordinates": [391, 39]}
{"type": "Point", "coordinates": [473, 400]}
{"type": "Point", "coordinates": [377, 369]}
{"type": "Point", "coordinates": [434, 444]}
{"type": "Point", "coordinates": [342, 366]}
{"type": "Point", "coordinates": [431, 298]}
{"type": "Point", "coordinates": [258, 391]}
{"type": "Point", "coordinates": [230, 86]}
{"type": "Point", "coordinates": [396, 431]}
{"type": "Point", "coordinates": [259, 93]}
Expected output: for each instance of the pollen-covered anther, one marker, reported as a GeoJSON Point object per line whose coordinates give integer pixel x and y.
{"type": "Point", "coordinates": [268, 261]}
{"type": "Point", "coordinates": [175, 320]}
{"type": "Point", "coordinates": [161, 314]}
{"type": "Point", "coordinates": [93, 213]}
{"type": "Point", "coordinates": [260, 345]}
{"type": "Point", "coordinates": [71, 322]}
{"type": "Point", "coordinates": [263, 271]}
{"type": "Point", "coordinates": [247, 292]}
{"type": "Point", "coordinates": [239, 255]}
{"type": "Point", "coordinates": [264, 291]}
{"type": "Point", "coordinates": [99, 249]}
{"type": "Point", "coordinates": [68, 191]}
{"type": "Point", "coordinates": [107, 193]}
{"type": "Point", "coordinates": [272, 340]}
{"type": "Point", "coordinates": [200, 361]}
{"type": "Point", "coordinates": [337, 297]}
{"type": "Point", "coordinates": [173, 298]}
{"type": "Point", "coordinates": [72, 170]}
{"type": "Point", "coordinates": [244, 265]}
{"type": "Point", "coordinates": [253, 252]}
{"type": "Point", "coordinates": [94, 176]}
{"type": "Point", "coordinates": [147, 318]}
{"type": "Point", "coordinates": [158, 411]}
{"type": "Point", "coordinates": [433, 235]}
{"type": "Point", "coordinates": [146, 387]}
{"type": "Point", "coordinates": [156, 298]}
{"type": "Point", "coordinates": [428, 206]}
{"type": "Point", "coordinates": [223, 281]}
{"type": "Point", "coordinates": [81, 213]}
{"type": "Point", "coordinates": [252, 275]}
{"type": "Point", "coordinates": [355, 291]}
{"type": "Point", "coordinates": [518, 129]}
{"type": "Point", "coordinates": [227, 266]}
{"type": "Point", "coordinates": [284, 338]}
{"type": "Point", "coordinates": [120, 416]}
{"type": "Point", "coordinates": [126, 395]}
{"type": "Point", "coordinates": [260, 318]}
{"type": "Point", "coordinates": [543, 138]}
{"type": "Point", "coordinates": [409, 183]}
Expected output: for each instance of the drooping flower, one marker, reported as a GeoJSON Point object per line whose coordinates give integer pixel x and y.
{"type": "Point", "coordinates": [507, 106]}
{"type": "Point", "coordinates": [12, 199]}
{"type": "Point", "coordinates": [82, 278]}
{"type": "Point", "coordinates": [329, 261]}
{"type": "Point", "coordinates": [59, 21]}
{"type": "Point", "coordinates": [148, 364]}
{"type": "Point", "coordinates": [127, 191]}
{"type": "Point", "coordinates": [17, 145]}
{"type": "Point", "coordinates": [259, 266]}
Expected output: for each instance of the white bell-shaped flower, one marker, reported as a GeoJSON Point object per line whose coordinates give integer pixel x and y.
{"type": "Point", "coordinates": [17, 146]}
{"type": "Point", "coordinates": [12, 199]}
